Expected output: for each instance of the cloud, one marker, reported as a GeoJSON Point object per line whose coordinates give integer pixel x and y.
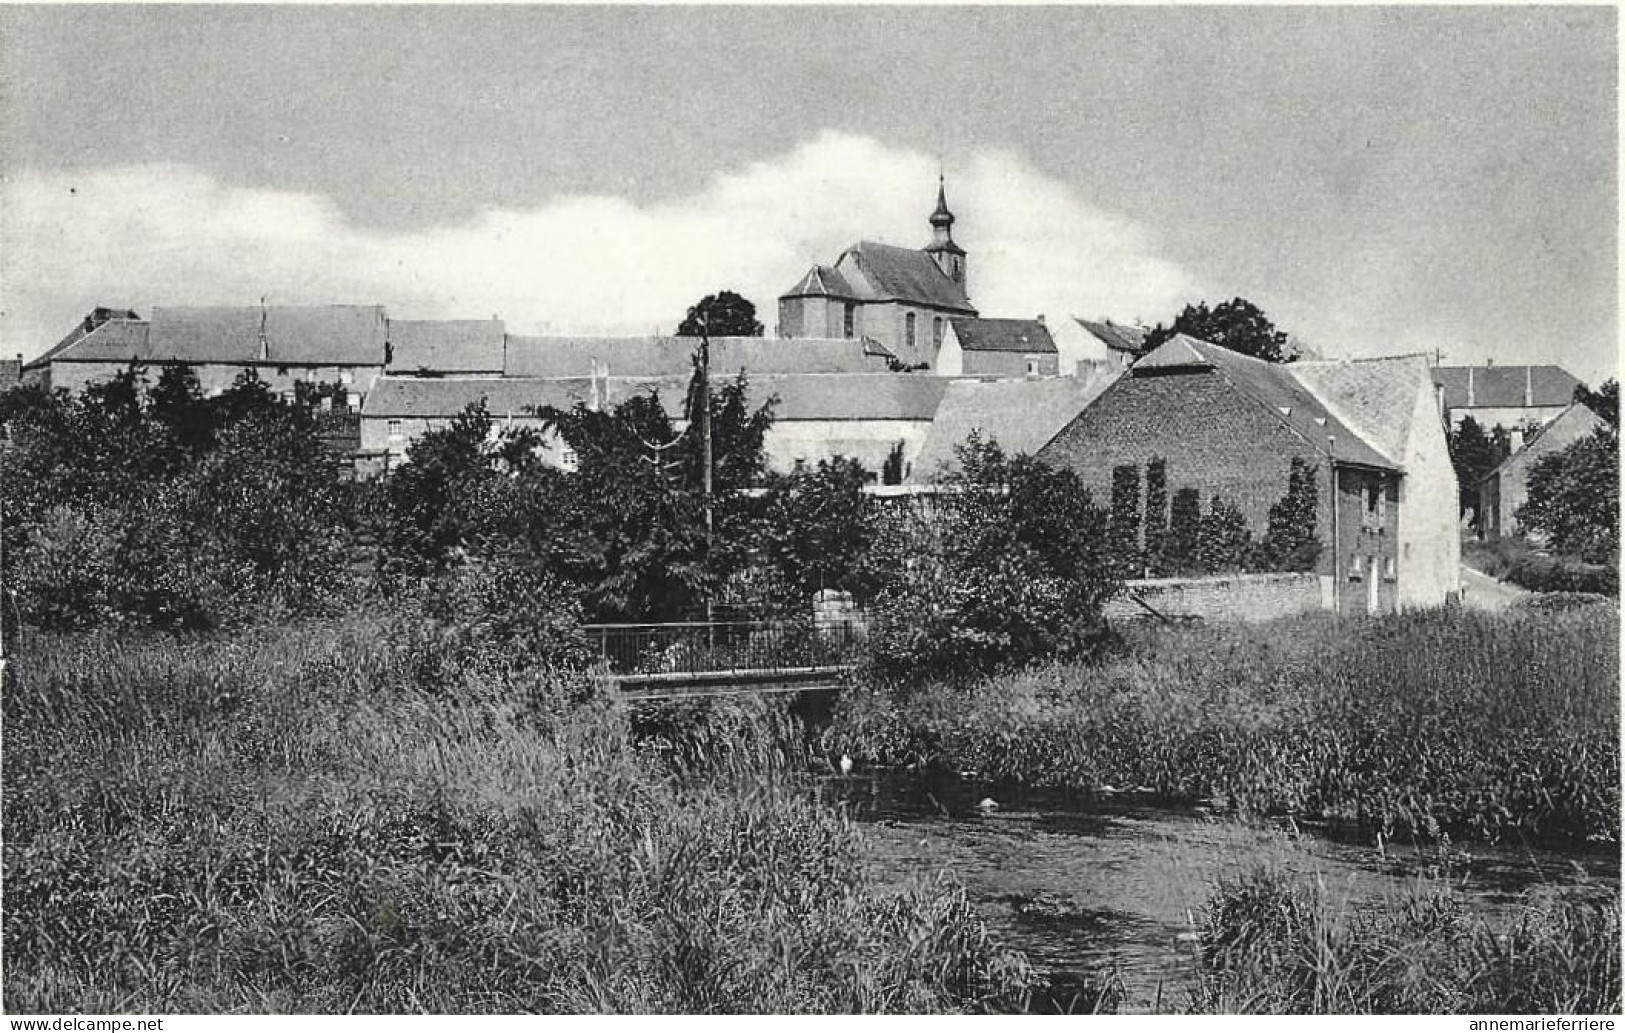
{"type": "Point", "coordinates": [140, 235]}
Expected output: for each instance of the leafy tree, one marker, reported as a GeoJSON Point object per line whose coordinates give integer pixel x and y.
{"type": "Point", "coordinates": [1124, 527]}
{"type": "Point", "coordinates": [178, 404]}
{"type": "Point", "coordinates": [1474, 454]}
{"type": "Point", "coordinates": [1011, 563]}
{"type": "Point", "coordinates": [1156, 513]}
{"type": "Point", "coordinates": [1291, 541]}
{"type": "Point", "coordinates": [891, 471]}
{"type": "Point", "coordinates": [1574, 499]}
{"type": "Point", "coordinates": [1237, 324]}
{"type": "Point", "coordinates": [1223, 543]}
{"type": "Point", "coordinates": [724, 314]}
{"type": "Point", "coordinates": [817, 528]}
{"type": "Point", "coordinates": [1184, 527]}
{"type": "Point", "coordinates": [1604, 401]}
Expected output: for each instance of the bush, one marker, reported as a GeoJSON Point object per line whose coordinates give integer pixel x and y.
{"type": "Point", "coordinates": [1274, 944]}
{"type": "Point", "coordinates": [287, 821]}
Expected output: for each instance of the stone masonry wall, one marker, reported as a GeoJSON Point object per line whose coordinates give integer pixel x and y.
{"type": "Point", "coordinates": [1235, 597]}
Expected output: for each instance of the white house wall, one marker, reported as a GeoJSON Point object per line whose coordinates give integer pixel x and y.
{"type": "Point", "coordinates": [1429, 538]}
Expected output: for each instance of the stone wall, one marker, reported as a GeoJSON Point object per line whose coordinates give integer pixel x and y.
{"type": "Point", "coordinates": [1230, 597]}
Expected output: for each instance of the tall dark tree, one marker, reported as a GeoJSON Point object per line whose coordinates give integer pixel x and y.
{"type": "Point", "coordinates": [1604, 401]}
{"type": "Point", "coordinates": [724, 314]}
{"type": "Point", "coordinates": [817, 529]}
{"type": "Point", "coordinates": [1184, 528]}
{"type": "Point", "coordinates": [1223, 543]}
{"type": "Point", "coordinates": [1237, 324]}
{"type": "Point", "coordinates": [1291, 541]}
{"type": "Point", "coordinates": [1156, 513]}
{"type": "Point", "coordinates": [1124, 525]}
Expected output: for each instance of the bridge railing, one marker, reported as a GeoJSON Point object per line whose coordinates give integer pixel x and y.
{"type": "Point", "coordinates": [708, 647]}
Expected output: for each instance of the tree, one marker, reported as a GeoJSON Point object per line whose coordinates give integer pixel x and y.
{"type": "Point", "coordinates": [1574, 498]}
{"type": "Point", "coordinates": [1223, 543]}
{"type": "Point", "coordinates": [1474, 454]}
{"type": "Point", "coordinates": [1012, 563]}
{"type": "Point", "coordinates": [724, 314]}
{"type": "Point", "coordinates": [1291, 542]}
{"type": "Point", "coordinates": [1124, 526]}
{"type": "Point", "coordinates": [1237, 324]}
{"type": "Point", "coordinates": [1156, 513]}
{"type": "Point", "coordinates": [1604, 401]}
{"type": "Point", "coordinates": [816, 530]}
{"type": "Point", "coordinates": [1184, 527]}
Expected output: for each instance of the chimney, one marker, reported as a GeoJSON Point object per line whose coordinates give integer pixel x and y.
{"type": "Point", "coordinates": [1469, 387]}
{"type": "Point", "coordinates": [1516, 436]}
{"type": "Point", "coordinates": [1438, 396]}
{"type": "Point", "coordinates": [1041, 319]}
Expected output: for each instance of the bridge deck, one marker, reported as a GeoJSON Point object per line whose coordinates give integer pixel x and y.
{"type": "Point", "coordinates": [707, 658]}
{"type": "Point", "coordinates": [675, 684]}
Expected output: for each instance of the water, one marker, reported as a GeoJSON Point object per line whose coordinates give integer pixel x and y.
{"type": "Point", "coordinates": [1115, 890]}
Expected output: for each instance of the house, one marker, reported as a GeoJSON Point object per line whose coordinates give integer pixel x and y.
{"type": "Point", "coordinates": [1117, 343]}
{"type": "Point", "coordinates": [1506, 488]}
{"type": "Point", "coordinates": [900, 298]}
{"type": "Point", "coordinates": [864, 416]}
{"type": "Point", "coordinates": [1020, 416]}
{"type": "Point", "coordinates": [1505, 396]}
{"type": "Point", "coordinates": [11, 373]}
{"type": "Point", "coordinates": [997, 347]}
{"type": "Point", "coordinates": [1230, 426]}
{"type": "Point", "coordinates": [445, 347]}
{"type": "Point", "coordinates": [284, 345]}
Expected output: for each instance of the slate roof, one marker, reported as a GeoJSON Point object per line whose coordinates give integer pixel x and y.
{"type": "Point", "coordinates": [1377, 398]}
{"type": "Point", "coordinates": [1567, 427]}
{"type": "Point", "coordinates": [427, 398]}
{"type": "Point", "coordinates": [117, 340]}
{"type": "Point", "coordinates": [830, 396]}
{"type": "Point", "coordinates": [1272, 385]}
{"type": "Point", "coordinates": [326, 335]}
{"type": "Point", "coordinates": [446, 345]}
{"type": "Point", "coordinates": [884, 272]}
{"type": "Point", "coordinates": [1502, 387]}
{"type": "Point", "coordinates": [1003, 335]}
{"type": "Point", "coordinates": [670, 356]}
{"type": "Point", "coordinates": [822, 281]}
{"type": "Point", "coordinates": [1021, 415]}
{"type": "Point", "coordinates": [1119, 338]}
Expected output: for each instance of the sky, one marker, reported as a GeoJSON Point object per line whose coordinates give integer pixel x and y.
{"type": "Point", "coordinates": [1379, 180]}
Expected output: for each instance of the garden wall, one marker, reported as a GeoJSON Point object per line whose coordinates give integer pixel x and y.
{"type": "Point", "coordinates": [1230, 597]}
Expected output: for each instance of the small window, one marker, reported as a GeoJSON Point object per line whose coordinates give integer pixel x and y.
{"type": "Point", "coordinates": [394, 430]}
{"type": "Point", "coordinates": [936, 333]}
{"type": "Point", "coordinates": [1390, 569]}
{"type": "Point", "coordinates": [1032, 365]}
{"type": "Point", "coordinates": [568, 458]}
{"type": "Point", "coordinates": [851, 320]}
{"type": "Point", "coordinates": [908, 328]}
{"type": "Point", "coordinates": [346, 377]}
{"type": "Point", "coordinates": [282, 371]}
{"type": "Point", "coordinates": [1356, 569]}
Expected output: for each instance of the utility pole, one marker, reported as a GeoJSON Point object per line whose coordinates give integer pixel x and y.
{"type": "Point", "coordinates": [705, 450]}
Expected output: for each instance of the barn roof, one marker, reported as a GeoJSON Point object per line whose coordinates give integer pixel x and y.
{"type": "Point", "coordinates": [446, 345]}
{"type": "Point", "coordinates": [1503, 387]}
{"type": "Point", "coordinates": [1021, 415]}
{"type": "Point", "coordinates": [1003, 335]}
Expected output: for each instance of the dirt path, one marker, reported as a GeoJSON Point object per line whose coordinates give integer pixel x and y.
{"type": "Point", "coordinates": [1482, 592]}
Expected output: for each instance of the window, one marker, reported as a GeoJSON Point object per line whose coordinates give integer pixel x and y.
{"type": "Point", "coordinates": [282, 371]}
{"type": "Point", "coordinates": [908, 329]}
{"type": "Point", "coordinates": [1032, 365]}
{"type": "Point", "coordinates": [568, 459]}
{"type": "Point", "coordinates": [1390, 569]}
{"type": "Point", "coordinates": [394, 430]}
{"type": "Point", "coordinates": [851, 319]}
{"type": "Point", "coordinates": [936, 334]}
{"type": "Point", "coordinates": [1372, 513]}
{"type": "Point", "coordinates": [1356, 570]}
{"type": "Point", "coordinates": [346, 377]}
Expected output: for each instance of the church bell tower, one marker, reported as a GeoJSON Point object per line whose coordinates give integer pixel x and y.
{"type": "Point", "coordinates": [950, 257]}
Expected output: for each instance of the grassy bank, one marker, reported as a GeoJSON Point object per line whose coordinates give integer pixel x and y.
{"type": "Point", "coordinates": [1275, 944]}
{"type": "Point", "coordinates": [334, 818]}
{"type": "Point", "coordinates": [1473, 725]}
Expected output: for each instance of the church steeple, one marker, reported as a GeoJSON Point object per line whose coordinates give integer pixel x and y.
{"type": "Point", "coordinates": [950, 257]}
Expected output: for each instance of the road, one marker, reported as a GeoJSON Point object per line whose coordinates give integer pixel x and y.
{"type": "Point", "coordinates": [1482, 592]}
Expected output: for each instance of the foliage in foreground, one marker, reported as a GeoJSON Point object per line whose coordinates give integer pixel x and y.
{"type": "Point", "coordinates": [1473, 725]}
{"type": "Point", "coordinates": [1513, 560]}
{"type": "Point", "coordinates": [340, 818]}
{"type": "Point", "coordinates": [1275, 944]}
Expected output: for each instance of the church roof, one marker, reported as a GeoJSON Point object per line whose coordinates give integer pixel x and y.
{"type": "Point", "coordinates": [822, 281]}
{"type": "Point", "coordinates": [1503, 387]}
{"type": "Point", "coordinates": [1003, 335]}
{"type": "Point", "coordinates": [904, 274]}
{"type": "Point", "coordinates": [446, 345]}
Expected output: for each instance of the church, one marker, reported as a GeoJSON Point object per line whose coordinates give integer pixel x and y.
{"type": "Point", "coordinates": [901, 299]}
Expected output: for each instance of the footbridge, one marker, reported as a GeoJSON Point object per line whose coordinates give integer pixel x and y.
{"type": "Point", "coordinates": [715, 658]}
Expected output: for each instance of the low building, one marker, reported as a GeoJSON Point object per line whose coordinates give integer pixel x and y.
{"type": "Point", "coordinates": [399, 410]}
{"type": "Point", "coordinates": [284, 345]}
{"type": "Point", "coordinates": [997, 348]}
{"type": "Point", "coordinates": [1505, 396]}
{"type": "Point", "coordinates": [1230, 426]}
{"type": "Point", "coordinates": [1119, 344]}
{"type": "Point", "coordinates": [1020, 416]}
{"type": "Point", "coordinates": [445, 347]}
{"type": "Point", "coordinates": [1504, 491]}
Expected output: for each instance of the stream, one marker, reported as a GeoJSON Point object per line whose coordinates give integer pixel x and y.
{"type": "Point", "coordinates": [1095, 892]}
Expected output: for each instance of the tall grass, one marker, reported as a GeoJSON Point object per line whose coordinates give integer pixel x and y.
{"type": "Point", "coordinates": [1276, 944]}
{"type": "Point", "coordinates": [333, 819]}
{"type": "Point", "coordinates": [1429, 724]}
